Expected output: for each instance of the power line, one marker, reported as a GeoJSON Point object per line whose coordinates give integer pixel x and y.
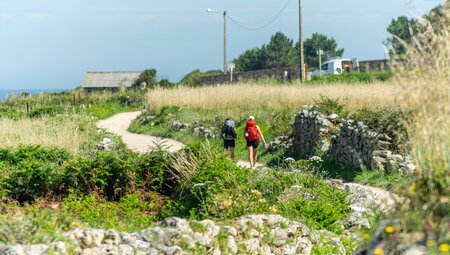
{"type": "Point", "coordinates": [266, 22]}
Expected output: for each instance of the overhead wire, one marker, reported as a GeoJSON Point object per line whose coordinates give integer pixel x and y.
{"type": "Point", "coordinates": [266, 22]}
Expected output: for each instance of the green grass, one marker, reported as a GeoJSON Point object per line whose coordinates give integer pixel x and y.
{"type": "Point", "coordinates": [352, 78]}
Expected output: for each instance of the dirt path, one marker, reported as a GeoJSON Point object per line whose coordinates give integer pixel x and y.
{"type": "Point", "coordinates": [119, 123]}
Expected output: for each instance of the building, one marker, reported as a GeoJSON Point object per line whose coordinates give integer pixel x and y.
{"type": "Point", "coordinates": [109, 81]}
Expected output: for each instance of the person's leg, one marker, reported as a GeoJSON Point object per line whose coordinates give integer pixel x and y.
{"type": "Point", "coordinates": [250, 155]}
{"type": "Point", "coordinates": [255, 155]}
{"type": "Point", "coordinates": [232, 153]}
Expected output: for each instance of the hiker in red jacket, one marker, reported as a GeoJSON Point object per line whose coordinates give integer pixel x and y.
{"type": "Point", "coordinates": [253, 134]}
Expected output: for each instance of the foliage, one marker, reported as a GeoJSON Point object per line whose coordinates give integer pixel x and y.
{"type": "Point", "coordinates": [132, 212]}
{"type": "Point", "coordinates": [220, 190]}
{"type": "Point", "coordinates": [402, 29]}
{"type": "Point", "coordinates": [101, 104]}
{"type": "Point", "coordinates": [352, 78]}
{"type": "Point", "coordinates": [146, 79]}
{"type": "Point", "coordinates": [279, 52]}
{"type": "Point", "coordinates": [331, 106]}
{"type": "Point", "coordinates": [387, 121]}
{"type": "Point", "coordinates": [316, 42]}
{"type": "Point", "coordinates": [192, 79]}
{"type": "Point", "coordinates": [249, 60]}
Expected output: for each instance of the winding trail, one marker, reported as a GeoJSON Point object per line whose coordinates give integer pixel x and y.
{"type": "Point", "coordinates": [119, 123]}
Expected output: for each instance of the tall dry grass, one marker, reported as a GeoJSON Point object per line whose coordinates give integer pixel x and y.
{"type": "Point", "coordinates": [67, 132]}
{"type": "Point", "coordinates": [246, 95]}
{"type": "Point", "coordinates": [424, 80]}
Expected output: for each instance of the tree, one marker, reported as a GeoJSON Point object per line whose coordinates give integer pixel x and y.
{"type": "Point", "coordinates": [279, 52]}
{"type": "Point", "coordinates": [147, 77]}
{"type": "Point", "coordinates": [249, 60]}
{"type": "Point", "coordinates": [402, 30]}
{"type": "Point", "coordinates": [316, 42]}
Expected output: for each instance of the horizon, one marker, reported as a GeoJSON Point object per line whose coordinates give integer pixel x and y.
{"type": "Point", "coordinates": [50, 44]}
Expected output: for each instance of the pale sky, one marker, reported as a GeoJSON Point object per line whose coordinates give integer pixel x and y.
{"type": "Point", "coordinates": [50, 44]}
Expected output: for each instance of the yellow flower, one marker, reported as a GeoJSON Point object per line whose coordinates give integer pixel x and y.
{"type": "Point", "coordinates": [262, 200]}
{"type": "Point", "coordinates": [444, 247]}
{"type": "Point", "coordinates": [227, 203]}
{"type": "Point", "coordinates": [256, 192]}
{"type": "Point", "coordinates": [412, 187]}
{"type": "Point", "coordinates": [389, 229]}
{"type": "Point", "coordinates": [430, 243]}
{"type": "Point", "coordinates": [273, 210]}
{"type": "Point", "coordinates": [378, 251]}
{"type": "Point", "coordinates": [366, 236]}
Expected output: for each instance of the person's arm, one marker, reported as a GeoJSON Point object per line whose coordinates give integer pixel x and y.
{"type": "Point", "coordinates": [261, 135]}
{"type": "Point", "coordinates": [234, 133]}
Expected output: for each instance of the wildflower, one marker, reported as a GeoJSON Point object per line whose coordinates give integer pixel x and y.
{"type": "Point", "coordinates": [256, 192]}
{"type": "Point", "coordinates": [366, 236]}
{"type": "Point", "coordinates": [378, 251]}
{"type": "Point", "coordinates": [273, 209]}
{"type": "Point", "coordinates": [430, 243]}
{"type": "Point", "coordinates": [227, 203]}
{"type": "Point", "coordinates": [412, 187]}
{"type": "Point", "coordinates": [262, 200]}
{"type": "Point", "coordinates": [389, 229]}
{"type": "Point", "coordinates": [444, 247]}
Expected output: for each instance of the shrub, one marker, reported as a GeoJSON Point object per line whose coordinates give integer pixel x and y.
{"type": "Point", "coordinates": [110, 173]}
{"type": "Point", "coordinates": [351, 78]}
{"type": "Point", "coordinates": [329, 106]}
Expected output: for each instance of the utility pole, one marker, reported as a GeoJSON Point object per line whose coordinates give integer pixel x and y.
{"type": "Point", "coordinates": [225, 42]}
{"type": "Point", "coordinates": [302, 58]}
{"type": "Point", "coordinates": [320, 52]}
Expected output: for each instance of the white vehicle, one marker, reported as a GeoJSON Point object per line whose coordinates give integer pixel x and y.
{"type": "Point", "coordinates": [337, 66]}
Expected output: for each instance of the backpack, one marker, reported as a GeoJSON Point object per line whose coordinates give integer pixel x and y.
{"type": "Point", "coordinates": [252, 131]}
{"type": "Point", "coordinates": [228, 132]}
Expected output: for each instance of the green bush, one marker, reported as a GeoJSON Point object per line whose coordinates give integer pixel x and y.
{"type": "Point", "coordinates": [132, 212]}
{"type": "Point", "coordinates": [366, 77]}
{"type": "Point", "coordinates": [329, 106]}
{"type": "Point", "coordinates": [387, 121]}
{"type": "Point", "coordinates": [109, 173]}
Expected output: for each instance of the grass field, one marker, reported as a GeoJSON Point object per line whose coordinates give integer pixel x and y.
{"type": "Point", "coordinates": [70, 132]}
{"type": "Point", "coordinates": [252, 95]}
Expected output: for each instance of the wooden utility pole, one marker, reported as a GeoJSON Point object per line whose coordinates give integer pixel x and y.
{"type": "Point", "coordinates": [302, 57]}
{"type": "Point", "coordinates": [225, 42]}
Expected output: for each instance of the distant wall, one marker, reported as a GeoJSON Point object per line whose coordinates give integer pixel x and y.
{"type": "Point", "coordinates": [287, 73]}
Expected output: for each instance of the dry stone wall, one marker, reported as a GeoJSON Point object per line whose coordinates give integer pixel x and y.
{"type": "Point", "coordinates": [345, 141]}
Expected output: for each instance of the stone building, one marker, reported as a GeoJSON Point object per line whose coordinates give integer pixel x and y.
{"type": "Point", "coordinates": [110, 81]}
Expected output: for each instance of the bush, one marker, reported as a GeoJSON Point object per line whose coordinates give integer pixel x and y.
{"type": "Point", "coordinates": [218, 189]}
{"type": "Point", "coordinates": [330, 106]}
{"type": "Point", "coordinates": [351, 78]}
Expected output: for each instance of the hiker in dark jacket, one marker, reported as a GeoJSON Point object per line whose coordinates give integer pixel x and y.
{"type": "Point", "coordinates": [229, 135]}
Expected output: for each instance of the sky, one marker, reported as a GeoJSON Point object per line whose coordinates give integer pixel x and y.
{"type": "Point", "coordinates": [51, 44]}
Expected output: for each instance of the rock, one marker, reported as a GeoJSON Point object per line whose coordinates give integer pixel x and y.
{"type": "Point", "coordinates": [156, 235]}
{"type": "Point", "coordinates": [11, 249]}
{"type": "Point", "coordinates": [109, 249]}
{"type": "Point", "coordinates": [231, 245]}
{"type": "Point", "coordinates": [59, 247]}
{"type": "Point", "coordinates": [229, 230]}
{"type": "Point", "coordinates": [333, 117]}
{"type": "Point", "coordinates": [289, 161]}
{"type": "Point", "coordinates": [111, 237]}
{"type": "Point", "coordinates": [178, 224]}
{"type": "Point", "coordinates": [378, 162]}
{"type": "Point", "coordinates": [415, 250]}
{"type": "Point", "coordinates": [125, 249]}
{"type": "Point", "coordinates": [251, 245]}
{"type": "Point", "coordinates": [97, 236]}
{"type": "Point", "coordinates": [37, 249]}
{"type": "Point", "coordinates": [395, 157]}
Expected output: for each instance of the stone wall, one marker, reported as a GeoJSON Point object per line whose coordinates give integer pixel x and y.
{"type": "Point", "coordinates": [282, 74]}
{"type": "Point", "coordinates": [345, 141]}
{"type": "Point", "coordinates": [287, 73]}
